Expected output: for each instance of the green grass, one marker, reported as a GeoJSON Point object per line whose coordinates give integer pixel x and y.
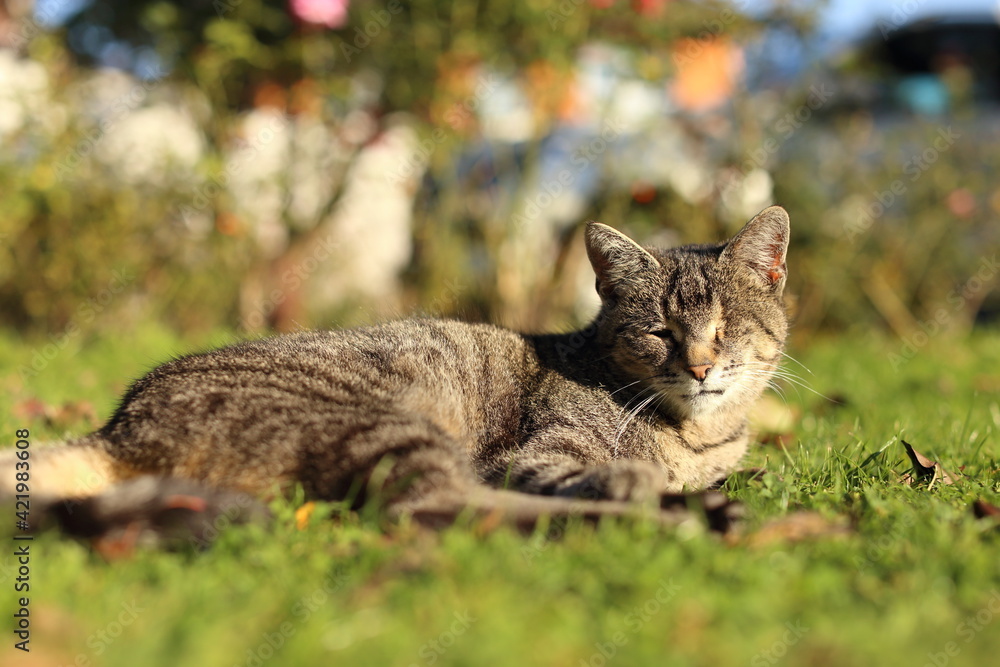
{"type": "Point", "coordinates": [917, 576]}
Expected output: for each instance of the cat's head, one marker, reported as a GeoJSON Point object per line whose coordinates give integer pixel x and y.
{"type": "Point", "coordinates": [701, 325]}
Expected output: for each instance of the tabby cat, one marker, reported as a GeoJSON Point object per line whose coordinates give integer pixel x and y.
{"type": "Point", "coordinates": [439, 416]}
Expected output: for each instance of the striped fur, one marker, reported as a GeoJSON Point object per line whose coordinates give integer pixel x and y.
{"type": "Point", "coordinates": [650, 399]}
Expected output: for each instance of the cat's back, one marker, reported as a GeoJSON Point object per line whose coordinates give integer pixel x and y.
{"type": "Point", "coordinates": [468, 378]}
{"type": "Point", "coordinates": [404, 352]}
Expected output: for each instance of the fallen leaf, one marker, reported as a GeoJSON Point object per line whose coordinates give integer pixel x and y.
{"type": "Point", "coordinates": [30, 409]}
{"type": "Point", "coordinates": [118, 544]}
{"type": "Point", "coordinates": [797, 527]}
{"type": "Point", "coordinates": [303, 514]}
{"type": "Point", "coordinates": [489, 523]}
{"type": "Point", "coordinates": [57, 416]}
{"type": "Point", "coordinates": [71, 412]}
{"type": "Point", "coordinates": [924, 469]}
{"type": "Point", "coordinates": [985, 510]}
{"type": "Point", "coordinates": [781, 440]}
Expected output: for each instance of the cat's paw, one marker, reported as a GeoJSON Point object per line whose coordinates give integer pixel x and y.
{"type": "Point", "coordinates": [719, 511]}
{"type": "Point", "coordinates": [632, 481]}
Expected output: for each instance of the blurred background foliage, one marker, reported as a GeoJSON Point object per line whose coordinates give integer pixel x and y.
{"type": "Point", "coordinates": [268, 165]}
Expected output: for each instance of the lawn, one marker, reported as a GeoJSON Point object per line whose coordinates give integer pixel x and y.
{"type": "Point", "coordinates": [878, 573]}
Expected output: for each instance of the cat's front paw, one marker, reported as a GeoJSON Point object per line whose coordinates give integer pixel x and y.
{"type": "Point", "coordinates": [719, 511]}
{"type": "Point", "coordinates": [634, 481]}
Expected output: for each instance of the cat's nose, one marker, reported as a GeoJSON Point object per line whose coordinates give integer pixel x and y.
{"type": "Point", "coordinates": [699, 372]}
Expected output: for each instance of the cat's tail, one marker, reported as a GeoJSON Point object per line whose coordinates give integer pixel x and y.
{"type": "Point", "coordinates": [526, 511]}
{"type": "Point", "coordinates": [77, 469]}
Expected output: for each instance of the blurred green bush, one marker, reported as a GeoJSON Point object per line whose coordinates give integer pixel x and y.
{"type": "Point", "coordinates": [171, 240]}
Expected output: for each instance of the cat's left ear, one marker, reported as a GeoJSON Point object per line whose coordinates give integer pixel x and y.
{"type": "Point", "coordinates": [617, 259]}
{"type": "Point", "coordinates": [761, 246]}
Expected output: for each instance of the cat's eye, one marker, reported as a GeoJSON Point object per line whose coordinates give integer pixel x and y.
{"type": "Point", "coordinates": [667, 333]}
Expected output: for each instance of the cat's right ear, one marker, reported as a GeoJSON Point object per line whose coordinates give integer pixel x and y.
{"type": "Point", "coordinates": [617, 259]}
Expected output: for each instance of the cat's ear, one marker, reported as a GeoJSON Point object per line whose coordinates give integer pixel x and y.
{"type": "Point", "coordinates": [616, 258]}
{"type": "Point", "coordinates": [761, 246]}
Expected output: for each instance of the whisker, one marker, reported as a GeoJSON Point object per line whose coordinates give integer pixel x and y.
{"type": "Point", "coordinates": [632, 383]}
{"type": "Point", "coordinates": [778, 390]}
{"type": "Point", "coordinates": [762, 369]}
{"type": "Point", "coordinates": [804, 367]}
{"type": "Point", "coordinates": [631, 414]}
{"type": "Point", "coordinates": [799, 382]}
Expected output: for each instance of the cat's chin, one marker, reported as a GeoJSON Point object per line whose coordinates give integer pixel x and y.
{"type": "Point", "coordinates": [703, 404]}
{"type": "Point", "coordinates": [698, 402]}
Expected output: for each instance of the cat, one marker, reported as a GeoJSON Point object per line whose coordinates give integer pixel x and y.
{"type": "Point", "coordinates": [440, 417]}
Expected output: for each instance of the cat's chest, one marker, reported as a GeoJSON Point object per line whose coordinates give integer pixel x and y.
{"type": "Point", "coordinates": [696, 455]}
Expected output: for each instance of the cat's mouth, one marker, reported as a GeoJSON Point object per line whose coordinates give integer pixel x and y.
{"type": "Point", "coordinates": [690, 398]}
{"type": "Point", "coordinates": [703, 399]}
{"type": "Point", "coordinates": [703, 393]}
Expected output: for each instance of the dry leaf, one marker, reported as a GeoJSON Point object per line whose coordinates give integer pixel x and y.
{"type": "Point", "coordinates": [303, 514]}
{"type": "Point", "coordinates": [71, 412]}
{"type": "Point", "coordinates": [489, 523]}
{"type": "Point", "coordinates": [30, 409]}
{"type": "Point", "coordinates": [120, 544]}
{"type": "Point", "coordinates": [924, 469]}
{"type": "Point", "coordinates": [798, 526]}
{"type": "Point", "coordinates": [781, 440]}
{"type": "Point", "coordinates": [57, 416]}
{"type": "Point", "coordinates": [985, 510]}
